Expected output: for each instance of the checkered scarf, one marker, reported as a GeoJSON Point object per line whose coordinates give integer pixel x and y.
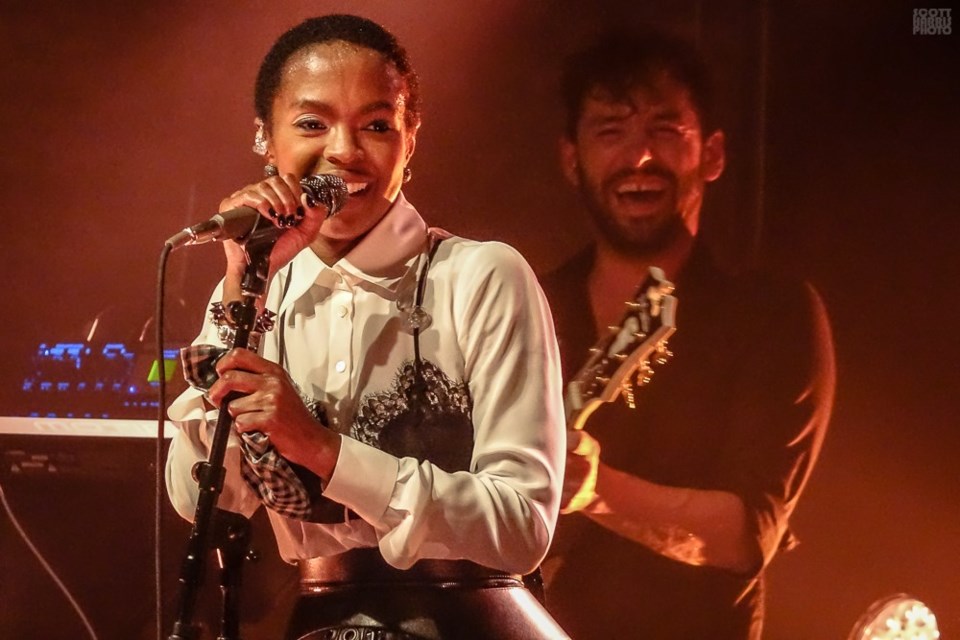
{"type": "Point", "coordinates": [283, 486]}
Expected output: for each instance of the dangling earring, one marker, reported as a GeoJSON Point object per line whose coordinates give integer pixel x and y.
{"type": "Point", "coordinates": [260, 139]}
{"type": "Point", "coordinates": [407, 175]}
{"type": "Point", "coordinates": [270, 170]}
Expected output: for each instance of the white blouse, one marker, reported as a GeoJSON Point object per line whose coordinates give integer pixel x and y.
{"type": "Point", "coordinates": [344, 343]}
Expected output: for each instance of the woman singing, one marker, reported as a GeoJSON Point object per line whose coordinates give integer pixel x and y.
{"type": "Point", "coordinates": [402, 422]}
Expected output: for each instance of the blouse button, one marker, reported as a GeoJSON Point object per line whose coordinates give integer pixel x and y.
{"type": "Point", "coordinates": [341, 366]}
{"type": "Point", "coordinates": [342, 311]}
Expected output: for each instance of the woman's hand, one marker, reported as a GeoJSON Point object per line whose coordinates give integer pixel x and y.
{"type": "Point", "coordinates": [271, 404]}
{"type": "Point", "coordinates": [281, 200]}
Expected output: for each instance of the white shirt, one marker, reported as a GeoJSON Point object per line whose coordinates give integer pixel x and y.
{"type": "Point", "coordinates": [345, 342]}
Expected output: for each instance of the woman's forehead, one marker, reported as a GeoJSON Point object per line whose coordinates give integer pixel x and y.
{"type": "Point", "coordinates": [339, 58]}
{"type": "Point", "coordinates": [342, 77]}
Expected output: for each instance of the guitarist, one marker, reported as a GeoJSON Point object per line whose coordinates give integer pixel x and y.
{"type": "Point", "coordinates": [689, 496]}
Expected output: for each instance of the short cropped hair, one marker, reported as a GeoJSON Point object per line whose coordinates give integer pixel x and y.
{"type": "Point", "coordinates": [331, 28]}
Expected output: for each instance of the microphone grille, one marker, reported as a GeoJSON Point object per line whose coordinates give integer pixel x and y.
{"type": "Point", "coordinates": [325, 189]}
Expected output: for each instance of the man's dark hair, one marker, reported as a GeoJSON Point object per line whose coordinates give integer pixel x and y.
{"type": "Point", "coordinates": [620, 61]}
{"type": "Point", "coordinates": [331, 28]}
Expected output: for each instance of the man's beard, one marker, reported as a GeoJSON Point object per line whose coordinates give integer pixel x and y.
{"type": "Point", "coordinates": [644, 237]}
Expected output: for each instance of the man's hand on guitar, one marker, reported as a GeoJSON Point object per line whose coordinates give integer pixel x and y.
{"type": "Point", "coordinates": [580, 477]}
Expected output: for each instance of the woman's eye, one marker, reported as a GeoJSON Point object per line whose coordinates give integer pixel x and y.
{"type": "Point", "coordinates": [311, 125]}
{"type": "Point", "coordinates": [379, 126]}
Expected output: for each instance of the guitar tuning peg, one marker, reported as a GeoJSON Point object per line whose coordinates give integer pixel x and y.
{"type": "Point", "coordinates": [613, 328]}
{"type": "Point", "coordinates": [639, 335]}
{"type": "Point", "coordinates": [603, 379]}
{"type": "Point", "coordinates": [620, 356]}
{"type": "Point", "coordinates": [596, 350]}
{"type": "Point", "coordinates": [626, 390]}
{"type": "Point", "coordinates": [644, 375]}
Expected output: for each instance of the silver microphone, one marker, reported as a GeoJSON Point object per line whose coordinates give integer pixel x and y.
{"type": "Point", "coordinates": [324, 190]}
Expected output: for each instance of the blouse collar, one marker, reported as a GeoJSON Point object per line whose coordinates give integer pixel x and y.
{"type": "Point", "coordinates": [382, 257]}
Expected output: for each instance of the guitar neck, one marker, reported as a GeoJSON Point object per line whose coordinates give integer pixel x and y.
{"type": "Point", "coordinates": [625, 357]}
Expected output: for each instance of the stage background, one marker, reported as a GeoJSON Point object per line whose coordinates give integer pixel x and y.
{"type": "Point", "coordinates": [122, 123]}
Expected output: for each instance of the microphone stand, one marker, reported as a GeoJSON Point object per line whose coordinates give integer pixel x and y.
{"type": "Point", "coordinates": [233, 530]}
{"type": "Point", "coordinates": [233, 547]}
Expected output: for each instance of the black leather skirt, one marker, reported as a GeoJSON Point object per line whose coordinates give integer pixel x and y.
{"type": "Point", "coordinates": [358, 596]}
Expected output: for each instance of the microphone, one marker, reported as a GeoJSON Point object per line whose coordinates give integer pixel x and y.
{"type": "Point", "coordinates": [237, 224]}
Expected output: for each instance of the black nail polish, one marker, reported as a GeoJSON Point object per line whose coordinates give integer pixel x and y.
{"type": "Point", "coordinates": [300, 212]}
{"type": "Point", "coordinates": [272, 212]}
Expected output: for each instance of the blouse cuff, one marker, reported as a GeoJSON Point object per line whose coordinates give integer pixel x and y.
{"type": "Point", "coordinates": [366, 482]}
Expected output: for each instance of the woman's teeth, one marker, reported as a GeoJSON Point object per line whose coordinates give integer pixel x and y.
{"type": "Point", "coordinates": [355, 187]}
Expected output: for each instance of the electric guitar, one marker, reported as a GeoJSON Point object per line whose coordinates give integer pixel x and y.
{"type": "Point", "coordinates": [623, 359]}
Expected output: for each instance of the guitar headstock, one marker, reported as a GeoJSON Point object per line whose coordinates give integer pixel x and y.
{"type": "Point", "coordinates": [627, 355]}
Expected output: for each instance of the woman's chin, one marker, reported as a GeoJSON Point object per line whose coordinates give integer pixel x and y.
{"type": "Point", "coordinates": [351, 223]}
